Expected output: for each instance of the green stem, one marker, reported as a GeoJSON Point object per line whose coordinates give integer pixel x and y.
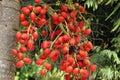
{"type": "Point", "coordinates": [67, 27]}
{"type": "Point", "coordinates": [82, 16]}
{"type": "Point", "coordinates": [55, 40]}
{"type": "Point", "coordinates": [62, 28]}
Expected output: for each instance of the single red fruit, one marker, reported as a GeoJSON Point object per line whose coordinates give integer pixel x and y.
{"type": "Point", "coordinates": [55, 17]}
{"type": "Point", "coordinates": [80, 64]}
{"type": "Point", "coordinates": [62, 67]}
{"type": "Point", "coordinates": [71, 59]}
{"type": "Point", "coordinates": [48, 66]}
{"type": "Point", "coordinates": [25, 10]}
{"type": "Point", "coordinates": [44, 33]}
{"type": "Point", "coordinates": [56, 22]}
{"type": "Point", "coordinates": [87, 32]}
{"type": "Point", "coordinates": [35, 35]}
{"type": "Point", "coordinates": [30, 44]}
{"type": "Point", "coordinates": [87, 46]}
{"type": "Point", "coordinates": [37, 1]}
{"type": "Point", "coordinates": [42, 22]}
{"type": "Point", "coordinates": [43, 11]}
{"type": "Point", "coordinates": [70, 20]}
{"type": "Point", "coordinates": [75, 71]}
{"type": "Point", "coordinates": [67, 77]}
{"type": "Point", "coordinates": [52, 54]}
{"type": "Point", "coordinates": [61, 19]}
{"type": "Point", "coordinates": [81, 24]}
{"type": "Point", "coordinates": [45, 44]}
{"type": "Point", "coordinates": [18, 35]}
{"type": "Point", "coordinates": [83, 54]}
{"type": "Point", "coordinates": [37, 9]}
{"type": "Point", "coordinates": [32, 48]}
{"type": "Point", "coordinates": [76, 4]}
{"type": "Point", "coordinates": [42, 16]}
{"type": "Point", "coordinates": [93, 68]}
{"type": "Point", "coordinates": [25, 23]}
{"type": "Point", "coordinates": [64, 8]}
{"type": "Point", "coordinates": [66, 38]}
{"type": "Point", "coordinates": [21, 41]}
{"type": "Point", "coordinates": [77, 30]}
{"type": "Point", "coordinates": [64, 14]}
{"type": "Point", "coordinates": [43, 57]}
{"type": "Point", "coordinates": [24, 36]}
{"type": "Point", "coordinates": [69, 69]}
{"type": "Point", "coordinates": [39, 62]}
{"type": "Point", "coordinates": [23, 49]}
{"type": "Point", "coordinates": [20, 56]}
{"type": "Point", "coordinates": [84, 73]}
{"type": "Point", "coordinates": [90, 45]}
{"type": "Point", "coordinates": [43, 72]}
{"type": "Point", "coordinates": [27, 60]}
{"type": "Point", "coordinates": [30, 7]}
{"type": "Point", "coordinates": [73, 14]}
{"type": "Point", "coordinates": [47, 52]}
{"type": "Point", "coordinates": [57, 32]}
{"type": "Point", "coordinates": [58, 47]}
{"type": "Point", "coordinates": [52, 35]}
{"type": "Point", "coordinates": [82, 9]}
{"type": "Point", "coordinates": [87, 62]}
{"type": "Point", "coordinates": [57, 43]}
{"type": "Point", "coordinates": [60, 39]}
{"type": "Point", "coordinates": [54, 59]}
{"type": "Point", "coordinates": [22, 17]}
{"type": "Point", "coordinates": [71, 27]}
{"type": "Point", "coordinates": [79, 57]}
{"type": "Point", "coordinates": [19, 64]}
{"type": "Point", "coordinates": [65, 50]}
{"type": "Point", "coordinates": [81, 48]}
{"type": "Point", "coordinates": [32, 16]}
{"type": "Point", "coordinates": [14, 52]}
{"type": "Point", "coordinates": [72, 41]}
{"type": "Point", "coordinates": [77, 39]}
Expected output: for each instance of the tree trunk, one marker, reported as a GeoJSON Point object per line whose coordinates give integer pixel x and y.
{"type": "Point", "coordinates": [9, 20]}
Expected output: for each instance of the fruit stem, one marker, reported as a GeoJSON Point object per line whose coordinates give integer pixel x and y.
{"type": "Point", "coordinates": [67, 27]}
{"type": "Point", "coordinates": [28, 29]}
{"type": "Point", "coordinates": [55, 40]}
{"type": "Point", "coordinates": [75, 59]}
{"type": "Point", "coordinates": [82, 16]}
{"type": "Point", "coordinates": [62, 28]}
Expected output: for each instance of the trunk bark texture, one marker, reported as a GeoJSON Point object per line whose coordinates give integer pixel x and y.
{"type": "Point", "coordinates": [9, 20]}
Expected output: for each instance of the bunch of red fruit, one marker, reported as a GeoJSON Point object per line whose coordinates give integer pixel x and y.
{"type": "Point", "coordinates": [65, 44]}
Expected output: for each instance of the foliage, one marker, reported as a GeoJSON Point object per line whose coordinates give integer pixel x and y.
{"type": "Point", "coordinates": [28, 73]}
{"type": "Point", "coordinates": [108, 65]}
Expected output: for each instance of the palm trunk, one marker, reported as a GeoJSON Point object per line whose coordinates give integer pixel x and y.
{"type": "Point", "coordinates": [9, 11]}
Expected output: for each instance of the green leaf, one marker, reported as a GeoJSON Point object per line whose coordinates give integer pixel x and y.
{"type": "Point", "coordinates": [115, 9]}
{"type": "Point", "coordinates": [112, 55]}
{"type": "Point", "coordinates": [91, 3]}
{"type": "Point", "coordinates": [110, 2]}
{"type": "Point", "coordinates": [116, 25]}
{"type": "Point", "coordinates": [96, 49]}
{"type": "Point", "coordinates": [106, 73]}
